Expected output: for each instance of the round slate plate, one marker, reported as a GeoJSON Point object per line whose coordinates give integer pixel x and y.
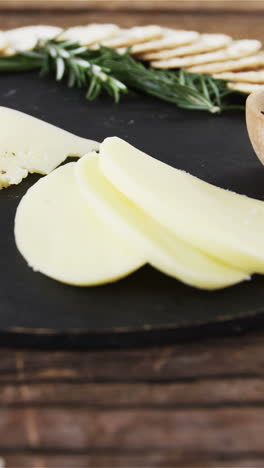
{"type": "Point", "coordinates": [146, 307]}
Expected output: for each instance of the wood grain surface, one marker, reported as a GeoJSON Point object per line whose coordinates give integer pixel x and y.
{"type": "Point", "coordinates": [141, 5]}
{"type": "Point", "coordinates": [195, 405]}
{"type": "Point", "coordinates": [191, 405]}
{"type": "Point", "coordinates": [238, 25]}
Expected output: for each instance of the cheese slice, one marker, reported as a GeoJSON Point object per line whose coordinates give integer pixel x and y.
{"type": "Point", "coordinates": [31, 145]}
{"type": "Point", "coordinates": [163, 249]}
{"type": "Point", "coordinates": [223, 224]}
{"type": "Point", "coordinates": [61, 236]}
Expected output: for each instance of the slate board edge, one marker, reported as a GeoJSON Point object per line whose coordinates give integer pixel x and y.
{"type": "Point", "coordinates": [47, 338]}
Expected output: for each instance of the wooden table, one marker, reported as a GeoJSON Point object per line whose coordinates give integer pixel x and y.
{"type": "Point", "coordinates": [191, 405]}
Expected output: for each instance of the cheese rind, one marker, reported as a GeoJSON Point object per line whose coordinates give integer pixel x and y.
{"type": "Point", "coordinates": [163, 249]}
{"type": "Point", "coordinates": [30, 145]}
{"type": "Point", "coordinates": [223, 224]}
{"type": "Point", "coordinates": [61, 236]}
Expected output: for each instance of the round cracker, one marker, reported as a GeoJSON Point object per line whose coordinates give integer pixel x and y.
{"type": "Point", "coordinates": [235, 50]}
{"type": "Point", "coordinates": [204, 43]}
{"type": "Point", "coordinates": [136, 35]}
{"type": "Point", "coordinates": [26, 38]}
{"type": "Point", "coordinates": [256, 76]}
{"type": "Point", "coordinates": [246, 88]}
{"type": "Point", "coordinates": [246, 63]}
{"type": "Point", "coordinates": [169, 40]}
{"type": "Point", "coordinates": [3, 41]}
{"type": "Point", "coordinates": [90, 34]}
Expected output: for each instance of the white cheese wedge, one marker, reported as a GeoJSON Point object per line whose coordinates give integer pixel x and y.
{"type": "Point", "coordinates": [30, 145]}
{"type": "Point", "coordinates": [163, 249]}
{"type": "Point", "coordinates": [60, 236]}
{"type": "Point", "coordinates": [223, 224]}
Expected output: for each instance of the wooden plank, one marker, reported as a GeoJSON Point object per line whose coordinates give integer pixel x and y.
{"type": "Point", "coordinates": [140, 5]}
{"type": "Point", "coordinates": [201, 393]}
{"type": "Point", "coordinates": [153, 460]}
{"type": "Point", "coordinates": [228, 431]}
{"type": "Point", "coordinates": [238, 25]}
{"type": "Point", "coordinates": [231, 357]}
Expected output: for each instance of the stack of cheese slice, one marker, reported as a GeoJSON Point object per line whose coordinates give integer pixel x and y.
{"type": "Point", "coordinates": [100, 218]}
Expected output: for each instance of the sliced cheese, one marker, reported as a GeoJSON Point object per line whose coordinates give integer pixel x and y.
{"type": "Point", "coordinates": [223, 224]}
{"type": "Point", "coordinates": [31, 145]}
{"type": "Point", "coordinates": [60, 236]}
{"type": "Point", "coordinates": [163, 249]}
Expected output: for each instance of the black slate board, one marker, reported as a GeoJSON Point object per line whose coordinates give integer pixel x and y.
{"type": "Point", "coordinates": [147, 307]}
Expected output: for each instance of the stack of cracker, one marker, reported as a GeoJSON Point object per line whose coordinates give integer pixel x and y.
{"type": "Point", "coordinates": [240, 62]}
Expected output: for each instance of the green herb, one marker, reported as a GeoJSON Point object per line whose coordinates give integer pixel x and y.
{"type": "Point", "coordinates": [81, 67]}
{"type": "Point", "coordinates": [105, 70]}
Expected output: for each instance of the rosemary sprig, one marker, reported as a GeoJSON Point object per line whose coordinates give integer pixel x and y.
{"type": "Point", "coordinates": [186, 90]}
{"type": "Point", "coordinates": [76, 63]}
{"type": "Point", "coordinates": [105, 70]}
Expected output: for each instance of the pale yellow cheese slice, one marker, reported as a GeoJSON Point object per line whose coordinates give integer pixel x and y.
{"type": "Point", "coordinates": [223, 224]}
{"type": "Point", "coordinates": [61, 236]}
{"type": "Point", "coordinates": [163, 249]}
{"type": "Point", "coordinates": [31, 145]}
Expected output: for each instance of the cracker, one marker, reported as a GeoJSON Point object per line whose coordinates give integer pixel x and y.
{"type": "Point", "coordinates": [246, 88]}
{"type": "Point", "coordinates": [26, 38]}
{"type": "Point", "coordinates": [235, 50]}
{"type": "Point", "coordinates": [90, 34]}
{"type": "Point", "coordinates": [121, 51]}
{"type": "Point", "coordinates": [246, 63]}
{"type": "Point", "coordinates": [136, 35]}
{"type": "Point", "coordinates": [3, 41]}
{"type": "Point", "coordinates": [204, 43]}
{"type": "Point", "coordinates": [170, 39]}
{"type": "Point", "coordinates": [256, 76]}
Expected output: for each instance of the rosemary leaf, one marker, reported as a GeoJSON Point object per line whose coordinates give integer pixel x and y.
{"type": "Point", "coordinates": [106, 71]}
